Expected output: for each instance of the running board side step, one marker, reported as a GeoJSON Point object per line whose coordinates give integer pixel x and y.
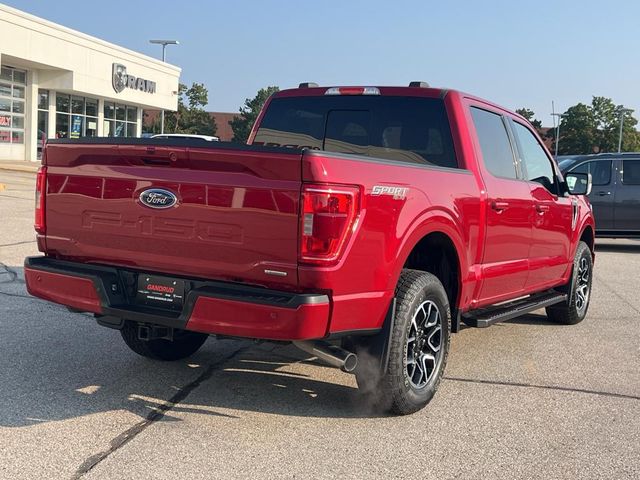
{"type": "Point", "coordinates": [486, 317]}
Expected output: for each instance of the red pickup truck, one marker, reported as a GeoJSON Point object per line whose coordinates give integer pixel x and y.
{"type": "Point", "coordinates": [364, 224]}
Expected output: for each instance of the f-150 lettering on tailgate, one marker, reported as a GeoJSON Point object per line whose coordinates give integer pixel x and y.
{"type": "Point", "coordinates": [176, 228]}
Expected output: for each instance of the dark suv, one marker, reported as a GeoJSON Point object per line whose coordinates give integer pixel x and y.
{"type": "Point", "coordinates": [616, 190]}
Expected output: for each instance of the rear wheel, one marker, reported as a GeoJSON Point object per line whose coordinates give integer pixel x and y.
{"type": "Point", "coordinates": [418, 349]}
{"type": "Point", "coordinates": [184, 343]}
{"type": "Point", "coordinates": [578, 290]}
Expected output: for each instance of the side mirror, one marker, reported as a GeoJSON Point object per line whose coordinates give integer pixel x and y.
{"type": "Point", "coordinates": [578, 183]}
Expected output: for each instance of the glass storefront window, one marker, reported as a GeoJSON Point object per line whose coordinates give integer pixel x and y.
{"type": "Point", "coordinates": [77, 105]}
{"type": "Point", "coordinates": [6, 73]}
{"type": "Point", "coordinates": [43, 99]}
{"type": "Point", "coordinates": [20, 76]}
{"type": "Point", "coordinates": [119, 120]}
{"type": "Point", "coordinates": [43, 120]}
{"type": "Point", "coordinates": [109, 110]}
{"type": "Point", "coordinates": [43, 128]}
{"type": "Point", "coordinates": [132, 114]}
{"type": "Point", "coordinates": [120, 112]}
{"type": "Point", "coordinates": [120, 130]}
{"type": "Point", "coordinates": [92, 127]}
{"type": "Point", "coordinates": [81, 121]}
{"type": "Point", "coordinates": [17, 136]}
{"type": "Point", "coordinates": [62, 125]}
{"type": "Point", "coordinates": [92, 107]}
{"type": "Point", "coordinates": [108, 128]}
{"type": "Point", "coordinates": [12, 107]}
{"type": "Point", "coordinates": [62, 102]}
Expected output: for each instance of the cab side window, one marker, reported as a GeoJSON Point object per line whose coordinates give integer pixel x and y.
{"type": "Point", "coordinates": [537, 164]}
{"type": "Point", "coordinates": [600, 171]}
{"type": "Point", "coordinates": [494, 143]}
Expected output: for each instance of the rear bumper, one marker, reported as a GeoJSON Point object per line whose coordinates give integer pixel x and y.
{"type": "Point", "coordinates": [209, 307]}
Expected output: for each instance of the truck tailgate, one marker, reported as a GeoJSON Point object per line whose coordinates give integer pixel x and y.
{"type": "Point", "coordinates": [235, 216]}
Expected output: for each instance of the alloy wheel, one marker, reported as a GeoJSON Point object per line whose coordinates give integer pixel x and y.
{"type": "Point", "coordinates": [583, 285]}
{"type": "Point", "coordinates": [423, 344]}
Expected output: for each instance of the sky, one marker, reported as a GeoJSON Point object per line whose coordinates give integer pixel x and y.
{"type": "Point", "coordinates": [514, 53]}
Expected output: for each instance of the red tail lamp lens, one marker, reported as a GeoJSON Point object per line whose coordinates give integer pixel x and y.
{"type": "Point", "coordinates": [329, 215]}
{"type": "Point", "coordinates": [41, 187]}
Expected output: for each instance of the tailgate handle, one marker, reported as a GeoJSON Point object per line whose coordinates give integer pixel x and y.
{"type": "Point", "coordinates": [156, 161]}
{"type": "Point", "coordinates": [163, 160]}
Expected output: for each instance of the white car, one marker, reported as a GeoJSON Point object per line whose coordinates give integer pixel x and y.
{"type": "Point", "coordinates": [166, 136]}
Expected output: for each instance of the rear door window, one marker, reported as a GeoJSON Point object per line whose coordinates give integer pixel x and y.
{"type": "Point", "coordinates": [631, 172]}
{"type": "Point", "coordinates": [494, 142]}
{"type": "Point", "coordinates": [600, 171]}
{"type": "Point", "coordinates": [403, 129]}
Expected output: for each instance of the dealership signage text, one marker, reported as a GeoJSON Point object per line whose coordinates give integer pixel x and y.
{"type": "Point", "coordinates": [122, 80]}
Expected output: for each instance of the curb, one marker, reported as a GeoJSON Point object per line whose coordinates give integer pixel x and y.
{"type": "Point", "coordinates": [19, 168]}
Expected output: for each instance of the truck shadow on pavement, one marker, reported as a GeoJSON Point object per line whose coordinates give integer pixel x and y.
{"type": "Point", "coordinates": [58, 365]}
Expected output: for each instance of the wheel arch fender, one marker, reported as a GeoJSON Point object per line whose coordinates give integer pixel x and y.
{"type": "Point", "coordinates": [585, 229]}
{"type": "Point", "coordinates": [432, 221]}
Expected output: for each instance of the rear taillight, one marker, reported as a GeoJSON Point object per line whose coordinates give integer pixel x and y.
{"type": "Point", "coordinates": [41, 187]}
{"type": "Point", "coordinates": [329, 216]}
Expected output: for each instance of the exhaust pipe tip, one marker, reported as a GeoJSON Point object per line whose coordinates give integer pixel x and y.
{"type": "Point", "coordinates": [331, 354]}
{"type": "Point", "coordinates": [350, 363]}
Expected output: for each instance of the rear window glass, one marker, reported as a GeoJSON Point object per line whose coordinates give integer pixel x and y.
{"type": "Point", "coordinates": [405, 129]}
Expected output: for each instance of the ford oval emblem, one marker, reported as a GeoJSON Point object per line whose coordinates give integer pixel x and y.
{"type": "Point", "coordinates": [158, 198]}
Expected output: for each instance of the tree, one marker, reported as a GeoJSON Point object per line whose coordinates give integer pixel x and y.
{"type": "Point", "coordinates": [529, 115]}
{"type": "Point", "coordinates": [242, 125]}
{"type": "Point", "coordinates": [190, 116]}
{"type": "Point", "coordinates": [595, 128]}
{"type": "Point", "coordinates": [577, 131]}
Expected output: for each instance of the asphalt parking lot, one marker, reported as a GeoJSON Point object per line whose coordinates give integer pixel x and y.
{"type": "Point", "coordinates": [522, 399]}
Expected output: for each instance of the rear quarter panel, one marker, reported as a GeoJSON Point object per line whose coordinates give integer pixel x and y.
{"type": "Point", "coordinates": [437, 200]}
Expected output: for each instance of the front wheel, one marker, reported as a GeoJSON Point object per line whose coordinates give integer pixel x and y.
{"type": "Point", "coordinates": [578, 290]}
{"type": "Point", "coordinates": [418, 349]}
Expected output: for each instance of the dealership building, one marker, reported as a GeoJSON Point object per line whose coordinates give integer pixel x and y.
{"type": "Point", "coordinates": [59, 83]}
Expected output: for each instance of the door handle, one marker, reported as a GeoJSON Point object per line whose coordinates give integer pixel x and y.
{"type": "Point", "coordinates": [602, 193]}
{"type": "Point", "coordinates": [499, 205]}
{"type": "Point", "coordinates": [540, 208]}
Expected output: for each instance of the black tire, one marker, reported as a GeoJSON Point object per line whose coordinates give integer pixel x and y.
{"type": "Point", "coordinates": [184, 343]}
{"type": "Point", "coordinates": [396, 389]}
{"type": "Point", "coordinates": [578, 290]}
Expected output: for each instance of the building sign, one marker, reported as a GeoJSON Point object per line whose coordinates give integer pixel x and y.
{"type": "Point", "coordinates": [5, 120]}
{"type": "Point", "coordinates": [76, 126]}
{"type": "Point", "coordinates": [122, 80]}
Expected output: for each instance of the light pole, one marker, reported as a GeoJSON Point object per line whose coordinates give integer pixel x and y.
{"type": "Point", "coordinates": [164, 44]}
{"type": "Point", "coordinates": [621, 111]}
{"type": "Point", "coordinates": [560, 117]}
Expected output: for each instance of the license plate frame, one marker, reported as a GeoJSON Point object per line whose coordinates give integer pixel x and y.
{"type": "Point", "coordinates": [158, 291]}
